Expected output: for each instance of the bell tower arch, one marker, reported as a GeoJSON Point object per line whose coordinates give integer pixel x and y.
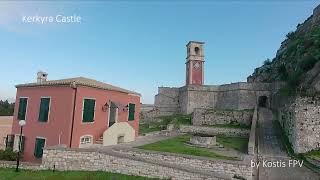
{"type": "Point", "coordinates": [195, 63]}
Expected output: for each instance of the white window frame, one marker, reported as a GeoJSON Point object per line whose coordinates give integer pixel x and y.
{"type": "Point", "coordinates": [16, 142]}
{"type": "Point", "coordinates": [49, 108]}
{"type": "Point", "coordinates": [86, 144]}
{"type": "Point", "coordinates": [94, 110]}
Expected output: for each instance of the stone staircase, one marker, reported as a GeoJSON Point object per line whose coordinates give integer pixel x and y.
{"type": "Point", "coordinates": [99, 141]}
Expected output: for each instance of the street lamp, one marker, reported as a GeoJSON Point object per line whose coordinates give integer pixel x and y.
{"type": "Point", "coordinates": [21, 124]}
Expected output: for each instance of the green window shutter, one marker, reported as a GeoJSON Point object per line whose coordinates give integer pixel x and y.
{"type": "Point", "coordinates": [132, 109]}
{"type": "Point", "coordinates": [39, 145]}
{"type": "Point", "coordinates": [22, 108]}
{"type": "Point", "coordinates": [88, 110]}
{"type": "Point", "coordinates": [44, 109]}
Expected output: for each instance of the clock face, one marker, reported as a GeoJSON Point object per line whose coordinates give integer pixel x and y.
{"type": "Point", "coordinates": [196, 65]}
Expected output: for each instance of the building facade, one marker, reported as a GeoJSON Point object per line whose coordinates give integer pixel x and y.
{"type": "Point", "coordinates": [76, 112]}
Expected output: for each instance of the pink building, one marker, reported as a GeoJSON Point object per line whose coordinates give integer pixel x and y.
{"type": "Point", "coordinates": [76, 112]}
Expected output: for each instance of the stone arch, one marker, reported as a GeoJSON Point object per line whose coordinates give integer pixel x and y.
{"type": "Point", "coordinates": [263, 101]}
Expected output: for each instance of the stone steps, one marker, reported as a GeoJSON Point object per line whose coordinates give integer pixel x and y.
{"type": "Point", "coordinates": [99, 141]}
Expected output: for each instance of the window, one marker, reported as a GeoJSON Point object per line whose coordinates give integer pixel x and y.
{"type": "Point", "coordinates": [44, 109]}
{"type": "Point", "coordinates": [86, 140]}
{"type": "Point", "coordinates": [23, 102]}
{"type": "Point", "coordinates": [38, 149]}
{"type": "Point", "coordinates": [132, 110]}
{"type": "Point", "coordinates": [88, 110]}
{"type": "Point", "coordinates": [197, 50]}
{"type": "Point", "coordinates": [9, 141]}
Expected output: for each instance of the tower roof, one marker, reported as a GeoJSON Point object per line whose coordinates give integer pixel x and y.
{"type": "Point", "coordinates": [196, 42]}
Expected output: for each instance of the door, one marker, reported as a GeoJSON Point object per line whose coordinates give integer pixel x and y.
{"type": "Point", "coordinates": [39, 145]}
{"type": "Point", "coordinates": [112, 114]}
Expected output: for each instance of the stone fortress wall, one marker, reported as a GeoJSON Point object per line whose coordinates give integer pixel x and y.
{"type": "Point", "coordinates": [167, 100]}
{"type": "Point", "coordinates": [209, 117]}
{"type": "Point", "coordinates": [300, 119]}
{"type": "Point", "coordinates": [236, 96]}
{"type": "Point", "coordinates": [302, 126]}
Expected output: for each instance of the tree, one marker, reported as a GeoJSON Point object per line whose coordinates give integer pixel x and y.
{"type": "Point", "coordinates": [267, 62]}
{"type": "Point", "coordinates": [290, 35]}
{"type": "Point", "coordinates": [6, 108]}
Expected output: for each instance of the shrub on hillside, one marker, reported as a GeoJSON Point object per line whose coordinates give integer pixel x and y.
{"type": "Point", "coordinates": [290, 35]}
{"type": "Point", "coordinates": [307, 63]}
{"type": "Point", "coordinates": [267, 62]}
{"type": "Point", "coordinates": [282, 70]}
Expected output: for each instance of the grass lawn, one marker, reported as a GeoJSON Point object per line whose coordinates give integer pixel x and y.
{"type": "Point", "coordinates": [314, 154]}
{"type": "Point", "coordinates": [237, 143]}
{"type": "Point", "coordinates": [146, 128]}
{"type": "Point", "coordinates": [10, 174]}
{"type": "Point", "coordinates": [164, 121]}
{"type": "Point", "coordinates": [177, 145]}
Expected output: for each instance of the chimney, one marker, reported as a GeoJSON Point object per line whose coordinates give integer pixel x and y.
{"type": "Point", "coordinates": [41, 77]}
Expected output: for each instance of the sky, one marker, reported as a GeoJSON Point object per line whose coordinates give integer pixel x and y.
{"type": "Point", "coordinates": [141, 45]}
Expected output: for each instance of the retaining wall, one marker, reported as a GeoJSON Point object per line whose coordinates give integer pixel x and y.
{"type": "Point", "coordinates": [300, 119]}
{"type": "Point", "coordinates": [144, 163]}
{"type": "Point", "coordinates": [233, 132]}
{"type": "Point", "coordinates": [213, 117]}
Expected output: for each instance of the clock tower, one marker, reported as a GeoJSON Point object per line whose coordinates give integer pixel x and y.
{"type": "Point", "coordinates": [194, 64]}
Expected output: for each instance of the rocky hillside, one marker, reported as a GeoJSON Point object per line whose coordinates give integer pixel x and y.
{"type": "Point", "coordinates": [297, 61]}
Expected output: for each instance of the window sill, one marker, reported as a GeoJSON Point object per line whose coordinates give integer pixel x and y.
{"type": "Point", "coordinates": [87, 122]}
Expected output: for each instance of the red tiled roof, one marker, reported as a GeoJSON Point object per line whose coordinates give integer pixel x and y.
{"type": "Point", "coordinates": [79, 81]}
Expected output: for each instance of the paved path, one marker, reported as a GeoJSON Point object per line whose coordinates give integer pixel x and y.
{"type": "Point", "coordinates": [271, 150]}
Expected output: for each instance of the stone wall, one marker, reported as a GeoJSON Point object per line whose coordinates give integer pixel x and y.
{"type": "Point", "coordinates": [144, 163]}
{"type": "Point", "coordinates": [146, 107]}
{"type": "Point", "coordinates": [167, 101]}
{"type": "Point", "coordinates": [300, 118]}
{"type": "Point", "coordinates": [229, 96]}
{"type": "Point", "coordinates": [213, 117]}
{"type": "Point", "coordinates": [215, 130]}
{"type": "Point", "coordinates": [253, 138]}
{"type": "Point", "coordinates": [23, 165]}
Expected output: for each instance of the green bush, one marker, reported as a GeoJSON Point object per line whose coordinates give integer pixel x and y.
{"type": "Point", "coordinates": [307, 63]}
{"type": "Point", "coordinates": [283, 72]}
{"type": "Point", "coordinates": [290, 35]}
{"type": "Point", "coordinates": [8, 155]}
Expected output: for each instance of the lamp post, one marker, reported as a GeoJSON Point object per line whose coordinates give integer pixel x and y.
{"type": "Point", "coordinates": [21, 124]}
